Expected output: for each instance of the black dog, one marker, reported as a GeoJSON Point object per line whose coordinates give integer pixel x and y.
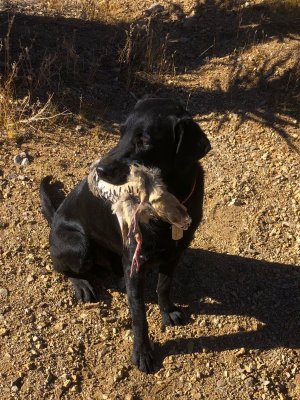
{"type": "Point", "coordinates": [158, 133]}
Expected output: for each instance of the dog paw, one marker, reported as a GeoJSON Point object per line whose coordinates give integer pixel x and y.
{"type": "Point", "coordinates": [172, 317]}
{"type": "Point", "coordinates": [143, 359]}
{"type": "Point", "coordinates": [84, 291]}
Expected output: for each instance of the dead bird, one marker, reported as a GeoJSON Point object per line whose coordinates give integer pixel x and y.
{"type": "Point", "coordinates": [142, 197]}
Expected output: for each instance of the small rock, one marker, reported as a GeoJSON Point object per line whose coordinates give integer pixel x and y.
{"type": "Point", "coordinates": [235, 202]}
{"type": "Point", "coordinates": [50, 379]}
{"type": "Point", "coordinates": [67, 383]}
{"type": "Point", "coordinates": [31, 366]}
{"type": "Point", "coordinates": [17, 382]}
{"type": "Point", "coordinates": [30, 278]}
{"type": "Point", "coordinates": [248, 368]}
{"type": "Point", "coordinates": [25, 162]}
{"type": "Point", "coordinates": [3, 292]}
{"type": "Point", "coordinates": [249, 382]}
{"type": "Point", "coordinates": [22, 158]}
{"type": "Point", "coordinates": [70, 350]}
{"type": "Point", "coordinates": [199, 375]}
{"type": "Point", "coordinates": [4, 332]}
{"type": "Point", "coordinates": [120, 375]}
{"type": "Point", "coordinates": [60, 326]}
{"type": "Point", "coordinates": [241, 352]}
{"type": "Point", "coordinates": [80, 129]}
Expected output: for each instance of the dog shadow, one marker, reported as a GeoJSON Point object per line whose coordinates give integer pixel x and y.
{"type": "Point", "coordinates": [213, 284]}
{"type": "Point", "coordinates": [237, 286]}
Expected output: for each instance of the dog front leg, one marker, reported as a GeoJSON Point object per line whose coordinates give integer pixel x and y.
{"type": "Point", "coordinates": [171, 315]}
{"type": "Point", "coordinates": [142, 353]}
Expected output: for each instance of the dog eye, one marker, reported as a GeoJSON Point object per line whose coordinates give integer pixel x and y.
{"type": "Point", "coordinates": [143, 141]}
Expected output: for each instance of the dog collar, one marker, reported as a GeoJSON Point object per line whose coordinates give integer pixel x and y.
{"type": "Point", "coordinates": [192, 190]}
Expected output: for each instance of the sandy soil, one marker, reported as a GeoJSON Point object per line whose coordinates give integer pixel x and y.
{"type": "Point", "coordinates": [239, 284]}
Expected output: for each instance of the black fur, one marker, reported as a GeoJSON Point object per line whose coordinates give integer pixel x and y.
{"type": "Point", "coordinates": [84, 232]}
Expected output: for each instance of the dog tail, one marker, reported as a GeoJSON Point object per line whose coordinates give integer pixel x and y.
{"type": "Point", "coordinates": [50, 201]}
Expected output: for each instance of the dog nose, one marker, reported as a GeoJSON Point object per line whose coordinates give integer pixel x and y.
{"type": "Point", "coordinates": [112, 172]}
{"type": "Point", "coordinates": [103, 170]}
{"type": "Point", "coordinates": [100, 170]}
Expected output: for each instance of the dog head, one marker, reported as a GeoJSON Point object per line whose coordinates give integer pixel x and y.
{"type": "Point", "coordinates": [158, 133]}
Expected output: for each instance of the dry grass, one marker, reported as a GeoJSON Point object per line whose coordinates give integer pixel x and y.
{"type": "Point", "coordinates": [18, 114]}
{"type": "Point", "coordinates": [145, 56]}
{"type": "Point", "coordinates": [284, 4]}
{"type": "Point", "coordinates": [284, 12]}
{"type": "Point", "coordinates": [145, 50]}
{"type": "Point", "coordinates": [91, 10]}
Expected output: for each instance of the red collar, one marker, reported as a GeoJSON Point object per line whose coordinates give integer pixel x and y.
{"type": "Point", "coordinates": [192, 190]}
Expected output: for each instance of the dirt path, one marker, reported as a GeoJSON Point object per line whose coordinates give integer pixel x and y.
{"type": "Point", "coordinates": [239, 284]}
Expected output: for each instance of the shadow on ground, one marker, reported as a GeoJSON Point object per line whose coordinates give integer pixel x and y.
{"type": "Point", "coordinates": [269, 292]}
{"type": "Point", "coordinates": [236, 286]}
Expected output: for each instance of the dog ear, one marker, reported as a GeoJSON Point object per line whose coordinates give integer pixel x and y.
{"type": "Point", "coordinates": [182, 126]}
{"type": "Point", "coordinates": [189, 139]}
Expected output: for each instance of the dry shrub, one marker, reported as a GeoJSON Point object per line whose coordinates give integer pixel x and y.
{"type": "Point", "coordinates": [284, 12]}
{"type": "Point", "coordinates": [17, 114]}
{"type": "Point", "coordinates": [85, 9]}
{"type": "Point", "coordinates": [145, 50]}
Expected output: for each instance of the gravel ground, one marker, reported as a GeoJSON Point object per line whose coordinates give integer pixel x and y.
{"type": "Point", "coordinates": [239, 283]}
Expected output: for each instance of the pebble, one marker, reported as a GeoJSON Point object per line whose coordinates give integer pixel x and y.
{"type": "Point", "coordinates": [25, 162]}
{"type": "Point", "coordinates": [30, 278]}
{"type": "Point", "coordinates": [241, 352]}
{"type": "Point", "coordinates": [3, 292]}
{"type": "Point", "coordinates": [80, 129]}
{"type": "Point", "coordinates": [22, 159]}
{"type": "Point", "coordinates": [248, 368]}
{"type": "Point", "coordinates": [50, 378]}
{"type": "Point", "coordinates": [60, 326]}
{"type": "Point", "coordinates": [249, 382]}
{"type": "Point", "coordinates": [4, 331]}
{"type": "Point", "coordinates": [120, 375]}
{"type": "Point", "coordinates": [17, 383]}
{"type": "Point", "coordinates": [67, 383]}
{"type": "Point", "coordinates": [235, 202]}
{"type": "Point", "coordinates": [31, 366]}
